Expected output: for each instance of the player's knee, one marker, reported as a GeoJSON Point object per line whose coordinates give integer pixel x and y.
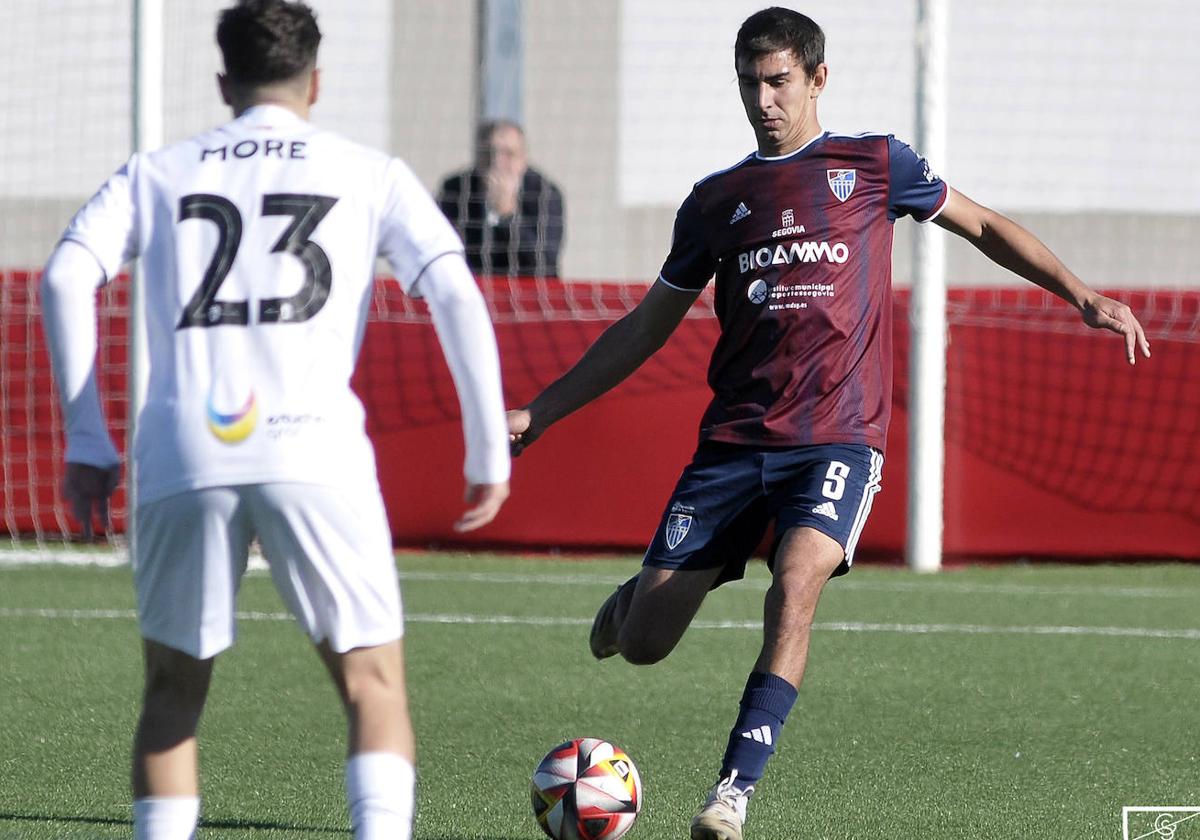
{"type": "Point", "coordinates": [372, 677]}
{"type": "Point", "coordinates": [175, 682]}
{"type": "Point", "coordinates": [796, 583]}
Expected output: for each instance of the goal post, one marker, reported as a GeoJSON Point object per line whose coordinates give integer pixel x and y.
{"type": "Point", "coordinates": [927, 310]}
{"type": "Point", "coordinates": [148, 99]}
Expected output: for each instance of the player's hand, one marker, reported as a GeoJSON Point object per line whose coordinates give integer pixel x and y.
{"type": "Point", "coordinates": [521, 431]}
{"type": "Point", "coordinates": [485, 501]}
{"type": "Point", "coordinates": [88, 489]}
{"type": "Point", "coordinates": [1107, 314]}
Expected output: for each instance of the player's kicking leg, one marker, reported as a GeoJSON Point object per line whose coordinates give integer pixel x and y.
{"type": "Point", "coordinates": [380, 755]}
{"type": "Point", "coordinates": [649, 613]}
{"type": "Point", "coordinates": [166, 793]}
{"type": "Point", "coordinates": [714, 520]}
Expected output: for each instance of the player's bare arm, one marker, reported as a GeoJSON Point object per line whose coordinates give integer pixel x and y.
{"type": "Point", "coordinates": [618, 352]}
{"type": "Point", "coordinates": [1008, 244]}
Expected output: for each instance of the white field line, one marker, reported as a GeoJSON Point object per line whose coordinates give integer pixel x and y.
{"type": "Point", "coordinates": [11, 559]}
{"type": "Point", "coordinates": [15, 559]}
{"type": "Point", "coordinates": [568, 621]}
{"type": "Point", "coordinates": [925, 585]}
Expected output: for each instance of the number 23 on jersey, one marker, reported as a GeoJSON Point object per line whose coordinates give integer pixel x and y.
{"type": "Point", "coordinates": [307, 211]}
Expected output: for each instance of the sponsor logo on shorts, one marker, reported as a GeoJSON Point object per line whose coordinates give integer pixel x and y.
{"type": "Point", "coordinates": [826, 509]}
{"type": "Point", "coordinates": [235, 427]}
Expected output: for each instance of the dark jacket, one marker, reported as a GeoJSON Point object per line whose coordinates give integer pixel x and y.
{"type": "Point", "coordinates": [526, 244]}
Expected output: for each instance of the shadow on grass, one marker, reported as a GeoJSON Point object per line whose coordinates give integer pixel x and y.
{"type": "Point", "coordinates": [258, 825]}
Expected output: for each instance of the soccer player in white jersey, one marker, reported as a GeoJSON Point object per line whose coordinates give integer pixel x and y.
{"type": "Point", "coordinates": [258, 242]}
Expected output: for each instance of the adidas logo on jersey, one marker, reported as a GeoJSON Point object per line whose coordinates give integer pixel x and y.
{"type": "Point", "coordinates": [740, 213]}
{"type": "Point", "coordinates": [826, 509]}
{"type": "Point", "coordinates": [762, 734]}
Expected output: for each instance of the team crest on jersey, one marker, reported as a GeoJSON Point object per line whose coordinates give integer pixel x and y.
{"type": "Point", "coordinates": [679, 522]}
{"type": "Point", "coordinates": [842, 182]}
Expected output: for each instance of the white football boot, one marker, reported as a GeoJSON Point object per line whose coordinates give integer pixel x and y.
{"type": "Point", "coordinates": [723, 813]}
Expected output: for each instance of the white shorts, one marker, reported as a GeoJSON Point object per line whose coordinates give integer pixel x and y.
{"type": "Point", "coordinates": [329, 551]}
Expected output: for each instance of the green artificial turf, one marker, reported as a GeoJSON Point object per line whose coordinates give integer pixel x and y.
{"type": "Point", "coordinates": [978, 703]}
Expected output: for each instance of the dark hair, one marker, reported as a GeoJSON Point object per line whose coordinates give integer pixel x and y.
{"type": "Point", "coordinates": [776, 29]}
{"type": "Point", "coordinates": [266, 41]}
{"type": "Point", "coordinates": [483, 134]}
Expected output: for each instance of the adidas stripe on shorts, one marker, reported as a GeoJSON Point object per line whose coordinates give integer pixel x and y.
{"type": "Point", "coordinates": [729, 494]}
{"type": "Point", "coordinates": [329, 552]}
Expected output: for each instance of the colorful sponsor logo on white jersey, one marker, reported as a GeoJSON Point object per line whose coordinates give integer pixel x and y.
{"type": "Point", "coordinates": [236, 427]}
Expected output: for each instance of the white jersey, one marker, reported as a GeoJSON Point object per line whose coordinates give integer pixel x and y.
{"type": "Point", "coordinates": [258, 243]}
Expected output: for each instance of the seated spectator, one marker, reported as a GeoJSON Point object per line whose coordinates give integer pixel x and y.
{"type": "Point", "coordinates": [508, 214]}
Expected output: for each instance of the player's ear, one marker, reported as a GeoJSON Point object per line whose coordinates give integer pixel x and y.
{"type": "Point", "coordinates": [819, 77]}
{"type": "Point", "coordinates": [223, 85]}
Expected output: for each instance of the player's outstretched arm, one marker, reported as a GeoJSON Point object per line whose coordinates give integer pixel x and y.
{"type": "Point", "coordinates": [68, 300]}
{"type": "Point", "coordinates": [1008, 244]}
{"type": "Point", "coordinates": [619, 351]}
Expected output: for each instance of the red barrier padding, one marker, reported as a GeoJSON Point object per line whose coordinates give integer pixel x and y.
{"type": "Point", "coordinates": [1054, 445]}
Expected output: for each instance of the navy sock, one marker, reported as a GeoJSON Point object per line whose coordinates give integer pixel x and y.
{"type": "Point", "coordinates": [764, 707]}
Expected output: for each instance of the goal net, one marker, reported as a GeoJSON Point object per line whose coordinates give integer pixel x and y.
{"type": "Point", "coordinates": [624, 105]}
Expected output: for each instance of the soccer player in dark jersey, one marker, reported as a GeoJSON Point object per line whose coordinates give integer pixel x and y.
{"type": "Point", "coordinates": [799, 237]}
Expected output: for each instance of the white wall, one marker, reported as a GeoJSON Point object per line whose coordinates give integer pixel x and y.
{"type": "Point", "coordinates": [1064, 105]}
{"type": "Point", "coordinates": [1077, 116]}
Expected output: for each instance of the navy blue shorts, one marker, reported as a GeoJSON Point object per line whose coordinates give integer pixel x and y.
{"type": "Point", "coordinates": [729, 494]}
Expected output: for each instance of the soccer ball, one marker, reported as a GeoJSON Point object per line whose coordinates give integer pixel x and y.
{"type": "Point", "coordinates": [586, 789]}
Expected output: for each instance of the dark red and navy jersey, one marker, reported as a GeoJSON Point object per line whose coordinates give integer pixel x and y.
{"type": "Point", "coordinates": [801, 246]}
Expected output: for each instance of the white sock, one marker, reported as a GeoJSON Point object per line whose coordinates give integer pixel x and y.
{"type": "Point", "coordinates": [165, 817]}
{"type": "Point", "coordinates": [380, 790]}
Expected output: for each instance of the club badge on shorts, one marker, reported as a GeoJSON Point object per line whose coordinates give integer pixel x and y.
{"type": "Point", "coordinates": [842, 181]}
{"type": "Point", "coordinates": [679, 522]}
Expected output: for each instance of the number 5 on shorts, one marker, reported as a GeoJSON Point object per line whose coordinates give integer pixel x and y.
{"type": "Point", "coordinates": [835, 480]}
